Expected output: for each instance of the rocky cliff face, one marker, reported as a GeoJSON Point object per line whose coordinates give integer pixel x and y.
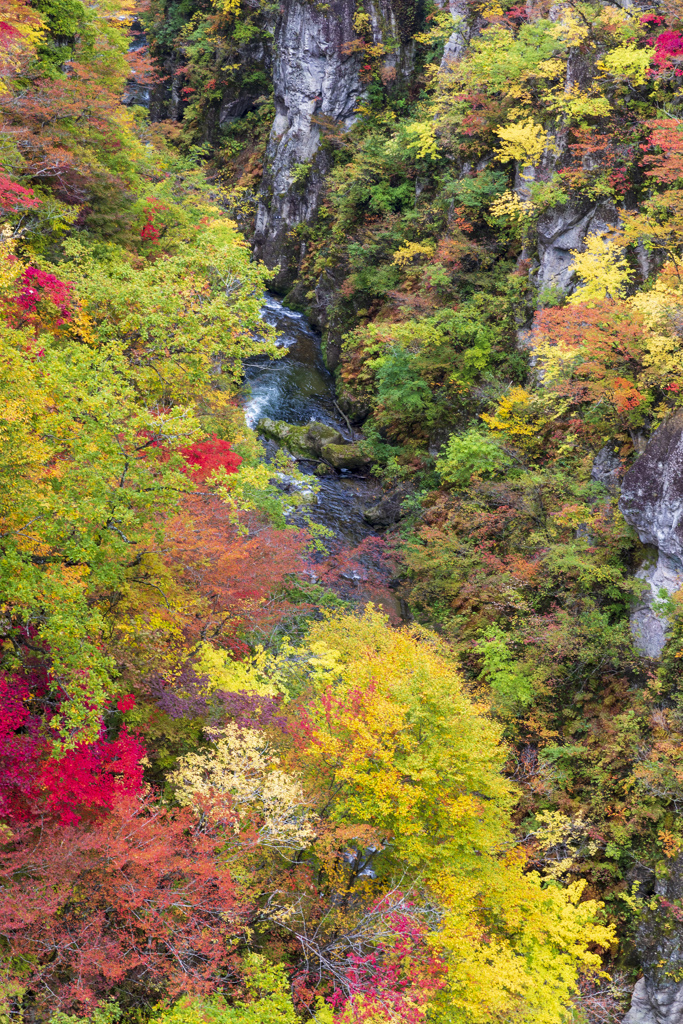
{"type": "Point", "coordinates": [317, 79]}
{"type": "Point", "coordinates": [456, 44]}
{"type": "Point", "coordinates": [658, 995]}
{"type": "Point", "coordinates": [559, 231]}
{"type": "Point", "coordinates": [652, 501]}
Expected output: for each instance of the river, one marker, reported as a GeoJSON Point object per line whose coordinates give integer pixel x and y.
{"type": "Point", "coordinates": [299, 388]}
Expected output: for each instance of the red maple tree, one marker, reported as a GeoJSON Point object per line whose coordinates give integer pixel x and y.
{"type": "Point", "coordinates": [210, 455]}
{"type": "Point", "coordinates": [33, 783]}
{"type": "Point", "coordinates": [14, 198]}
{"type": "Point", "coordinates": [140, 897]}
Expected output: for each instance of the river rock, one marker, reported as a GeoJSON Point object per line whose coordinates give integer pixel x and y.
{"type": "Point", "coordinates": [346, 456]}
{"type": "Point", "coordinates": [289, 435]}
{"type": "Point", "coordinates": [320, 434]}
{"type": "Point", "coordinates": [387, 511]}
{"type": "Point", "coordinates": [652, 501]}
{"type": "Point", "coordinates": [307, 440]}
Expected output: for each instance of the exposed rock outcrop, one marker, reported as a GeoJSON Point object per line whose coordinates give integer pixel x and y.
{"type": "Point", "coordinates": [652, 501]}
{"type": "Point", "coordinates": [388, 509]}
{"type": "Point", "coordinates": [313, 77]}
{"type": "Point", "coordinates": [317, 80]}
{"type": "Point", "coordinates": [658, 997]}
{"type": "Point", "coordinates": [456, 44]}
{"type": "Point", "coordinates": [653, 1004]}
{"type": "Point", "coordinates": [607, 467]}
{"type": "Point", "coordinates": [559, 231]}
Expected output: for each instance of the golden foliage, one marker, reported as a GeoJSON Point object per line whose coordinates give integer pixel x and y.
{"type": "Point", "coordinates": [411, 251]}
{"type": "Point", "coordinates": [662, 309]}
{"type": "Point", "coordinates": [422, 136]}
{"type": "Point", "coordinates": [517, 417]}
{"type": "Point", "coordinates": [511, 205]}
{"type": "Point", "coordinates": [602, 269]}
{"type": "Point", "coordinates": [524, 141]}
{"type": "Point", "coordinates": [407, 752]}
{"type": "Point", "coordinates": [627, 62]}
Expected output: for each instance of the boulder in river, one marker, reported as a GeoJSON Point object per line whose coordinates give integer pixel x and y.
{"type": "Point", "coordinates": [315, 441]}
{"type": "Point", "coordinates": [652, 501]}
{"type": "Point", "coordinates": [346, 456]}
{"type": "Point", "coordinates": [319, 434]}
{"type": "Point", "coordinates": [387, 511]}
{"type": "Point", "coordinates": [306, 441]}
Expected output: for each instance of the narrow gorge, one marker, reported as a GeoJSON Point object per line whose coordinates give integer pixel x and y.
{"type": "Point", "coordinates": [341, 512]}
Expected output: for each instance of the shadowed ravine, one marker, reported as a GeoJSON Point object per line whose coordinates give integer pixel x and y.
{"type": "Point", "coordinates": [299, 388]}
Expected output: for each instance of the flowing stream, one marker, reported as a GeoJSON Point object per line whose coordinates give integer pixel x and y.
{"type": "Point", "coordinates": [299, 388]}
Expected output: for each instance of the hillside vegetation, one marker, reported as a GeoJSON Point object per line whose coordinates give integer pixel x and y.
{"type": "Point", "coordinates": [228, 791]}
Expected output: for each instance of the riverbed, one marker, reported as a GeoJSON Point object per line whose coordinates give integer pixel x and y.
{"type": "Point", "coordinates": [299, 388]}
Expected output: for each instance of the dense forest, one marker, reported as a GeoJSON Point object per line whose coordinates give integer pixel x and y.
{"type": "Point", "coordinates": [341, 512]}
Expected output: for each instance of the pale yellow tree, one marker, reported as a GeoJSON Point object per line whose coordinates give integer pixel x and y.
{"type": "Point", "coordinates": [662, 308]}
{"type": "Point", "coordinates": [524, 141]}
{"type": "Point", "coordinates": [239, 779]}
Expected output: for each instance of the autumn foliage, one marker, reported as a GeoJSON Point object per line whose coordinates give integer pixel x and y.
{"type": "Point", "coordinates": [232, 790]}
{"type": "Point", "coordinates": [235, 578]}
{"type": "Point", "coordinates": [35, 784]}
{"type": "Point", "coordinates": [138, 897]}
{"type": "Point", "coordinates": [207, 456]}
{"type": "Point", "coordinates": [602, 350]}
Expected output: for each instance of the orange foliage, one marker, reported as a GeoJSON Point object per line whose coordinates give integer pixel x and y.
{"type": "Point", "coordinates": [607, 342]}
{"type": "Point", "coordinates": [667, 165]}
{"type": "Point", "coordinates": [139, 897]}
{"type": "Point", "coordinates": [40, 120]}
{"type": "Point", "coordinates": [237, 577]}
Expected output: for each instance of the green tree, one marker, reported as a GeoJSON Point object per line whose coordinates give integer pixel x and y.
{"type": "Point", "coordinates": [103, 381]}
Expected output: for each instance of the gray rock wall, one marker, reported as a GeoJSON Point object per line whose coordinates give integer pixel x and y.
{"type": "Point", "coordinates": [658, 996]}
{"type": "Point", "coordinates": [312, 76]}
{"type": "Point", "coordinates": [456, 44]}
{"type": "Point", "coordinates": [652, 501]}
{"type": "Point", "coordinates": [559, 231]}
{"type": "Point", "coordinates": [316, 75]}
{"type": "Point", "coordinates": [655, 1004]}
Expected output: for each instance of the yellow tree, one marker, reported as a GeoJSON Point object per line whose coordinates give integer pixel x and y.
{"type": "Point", "coordinates": [392, 744]}
{"type": "Point", "coordinates": [392, 784]}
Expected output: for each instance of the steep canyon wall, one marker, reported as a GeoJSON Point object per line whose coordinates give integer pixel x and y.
{"type": "Point", "coordinates": [317, 81]}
